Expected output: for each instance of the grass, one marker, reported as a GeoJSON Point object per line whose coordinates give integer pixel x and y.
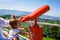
{"type": "Point", "coordinates": [48, 39]}
{"type": "Point", "coordinates": [43, 38]}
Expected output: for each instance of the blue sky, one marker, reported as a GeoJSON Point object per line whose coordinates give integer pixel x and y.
{"type": "Point", "coordinates": [31, 5]}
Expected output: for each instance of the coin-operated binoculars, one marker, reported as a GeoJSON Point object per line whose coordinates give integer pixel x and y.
{"type": "Point", "coordinates": [36, 32]}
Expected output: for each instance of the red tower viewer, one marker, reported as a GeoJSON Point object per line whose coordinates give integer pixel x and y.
{"type": "Point", "coordinates": [35, 32]}
{"type": "Point", "coordinates": [35, 14]}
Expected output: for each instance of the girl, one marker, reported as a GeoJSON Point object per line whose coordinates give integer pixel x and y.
{"type": "Point", "coordinates": [13, 34]}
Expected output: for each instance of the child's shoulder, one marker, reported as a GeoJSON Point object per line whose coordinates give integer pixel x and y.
{"type": "Point", "coordinates": [15, 31]}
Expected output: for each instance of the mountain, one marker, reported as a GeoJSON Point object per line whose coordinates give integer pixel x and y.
{"type": "Point", "coordinates": [50, 17]}
{"type": "Point", "coordinates": [21, 13]}
{"type": "Point", "coordinates": [13, 12]}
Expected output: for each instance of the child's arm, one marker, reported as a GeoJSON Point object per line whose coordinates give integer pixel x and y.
{"type": "Point", "coordinates": [21, 28]}
{"type": "Point", "coordinates": [22, 32]}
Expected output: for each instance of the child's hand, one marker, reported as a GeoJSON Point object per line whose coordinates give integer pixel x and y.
{"type": "Point", "coordinates": [21, 28]}
{"type": "Point", "coordinates": [24, 18]}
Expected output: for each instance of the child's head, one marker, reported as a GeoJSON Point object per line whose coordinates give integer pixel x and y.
{"type": "Point", "coordinates": [13, 23]}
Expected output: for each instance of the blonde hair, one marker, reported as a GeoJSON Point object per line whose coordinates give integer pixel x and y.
{"type": "Point", "coordinates": [12, 17]}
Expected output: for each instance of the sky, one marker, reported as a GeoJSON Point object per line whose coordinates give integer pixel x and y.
{"type": "Point", "coordinates": [32, 5]}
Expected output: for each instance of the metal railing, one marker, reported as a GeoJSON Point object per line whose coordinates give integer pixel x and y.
{"type": "Point", "coordinates": [20, 36]}
{"type": "Point", "coordinates": [49, 24]}
{"type": "Point", "coordinates": [43, 23]}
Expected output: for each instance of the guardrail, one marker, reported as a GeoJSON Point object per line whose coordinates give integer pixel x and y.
{"type": "Point", "coordinates": [43, 23]}
{"type": "Point", "coordinates": [20, 36]}
{"type": "Point", "coordinates": [30, 22]}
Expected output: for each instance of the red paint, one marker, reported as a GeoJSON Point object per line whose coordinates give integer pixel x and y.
{"type": "Point", "coordinates": [36, 13]}
{"type": "Point", "coordinates": [36, 31]}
